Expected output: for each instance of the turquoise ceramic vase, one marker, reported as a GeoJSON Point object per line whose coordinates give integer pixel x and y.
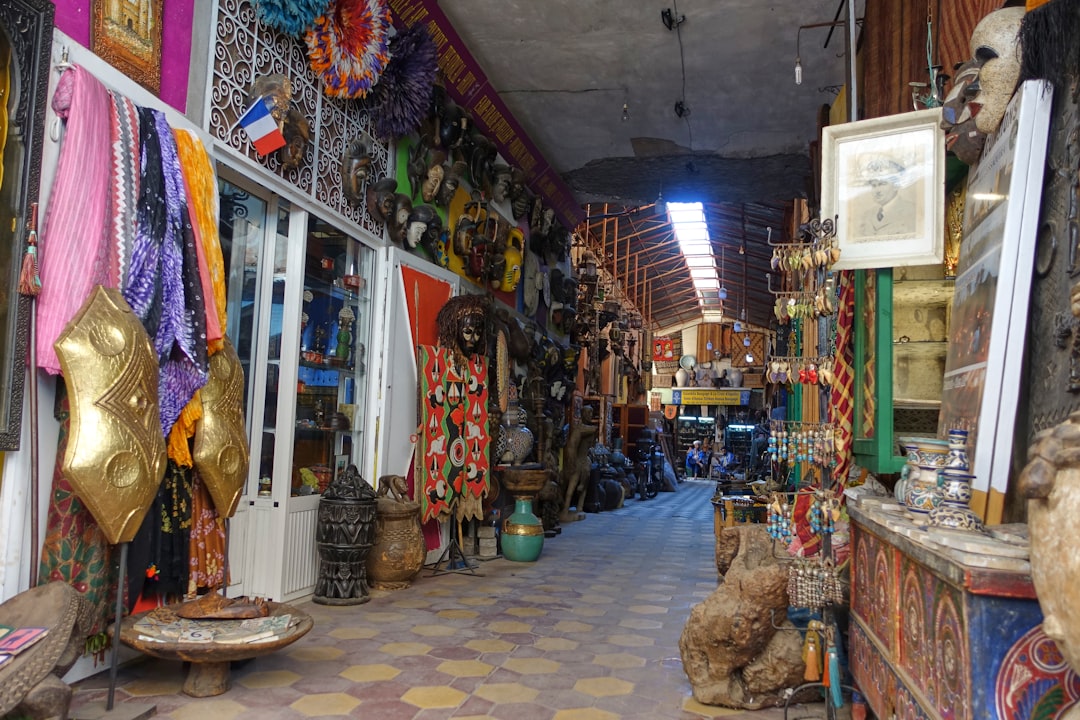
{"type": "Point", "coordinates": [522, 533]}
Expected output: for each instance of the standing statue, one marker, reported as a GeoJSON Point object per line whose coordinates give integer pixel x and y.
{"type": "Point", "coordinates": [577, 466]}
{"type": "Point", "coordinates": [1051, 483]}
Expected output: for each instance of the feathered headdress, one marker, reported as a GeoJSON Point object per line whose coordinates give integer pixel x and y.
{"type": "Point", "coordinates": [347, 47]}
{"type": "Point", "coordinates": [402, 96]}
{"type": "Point", "coordinates": [291, 17]}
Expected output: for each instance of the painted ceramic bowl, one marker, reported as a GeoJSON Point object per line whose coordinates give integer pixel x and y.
{"type": "Point", "coordinates": [926, 452]}
{"type": "Point", "coordinates": [955, 518]}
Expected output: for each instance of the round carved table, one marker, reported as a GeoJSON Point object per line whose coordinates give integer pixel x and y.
{"type": "Point", "coordinates": [209, 672]}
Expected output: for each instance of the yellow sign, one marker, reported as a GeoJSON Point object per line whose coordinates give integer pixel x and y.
{"type": "Point", "coordinates": [710, 396]}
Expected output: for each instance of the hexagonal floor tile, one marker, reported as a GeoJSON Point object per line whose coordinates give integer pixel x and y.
{"type": "Point", "coordinates": [353, 633]}
{"type": "Point", "coordinates": [402, 649]}
{"type": "Point", "coordinates": [325, 704]}
{"type": "Point", "coordinates": [532, 666]}
{"type": "Point", "coordinates": [641, 624]}
{"type": "Point", "coordinates": [458, 614]}
{"type": "Point", "coordinates": [710, 711]}
{"type": "Point", "coordinates": [370, 673]}
{"type": "Point", "coordinates": [585, 714]}
{"type": "Point", "coordinates": [434, 696]}
{"type": "Point", "coordinates": [572, 626]}
{"type": "Point", "coordinates": [383, 617]}
{"type": "Point", "coordinates": [316, 653]}
{"type": "Point", "coordinates": [507, 693]}
{"type": "Point", "coordinates": [490, 646]}
{"type": "Point", "coordinates": [465, 668]}
{"type": "Point", "coordinates": [630, 641]}
{"type": "Point", "coordinates": [595, 599]}
{"type": "Point", "coordinates": [603, 686]}
{"type": "Point", "coordinates": [434, 630]}
{"type": "Point", "coordinates": [619, 660]}
{"type": "Point", "coordinates": [411, 604]}
{"type": "Point", "coordinates": [480, 601]}
{"type": "Point", "coordinates": [144, 687]}
{"type": "Point", "coordinates": [647, 609]}
{"type": "Point", "coordinates": [555, 644]}
{"type": "Point", "coordinates": [526, 612]}
{"type": "Point", "coordinates": [588, 611]}
{"type": "Point", "coordinates": [223, 709]}
{"type": "Point", "coordinates": [269, 679]}
{"type": "Point", "coordinates": [653, 597]}
{"type": "Point", "coordinates": [509, 627]}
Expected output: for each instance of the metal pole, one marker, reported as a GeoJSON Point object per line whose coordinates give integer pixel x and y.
{"type": "Point", "coordinates": [114, 655]}
{"type": "Point", "coordinates": [852, 83]}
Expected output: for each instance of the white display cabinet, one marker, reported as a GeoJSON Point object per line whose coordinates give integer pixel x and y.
{"type": "Point", "coordinates": [300, 304]}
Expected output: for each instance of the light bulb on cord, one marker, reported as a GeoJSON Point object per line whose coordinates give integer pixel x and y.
{"type": "Point", "coordinates": [746, 341]}
{"type": "Point", "coordinates": [625, 112]}
{"type": "Point", "coordinates": [798, 71]}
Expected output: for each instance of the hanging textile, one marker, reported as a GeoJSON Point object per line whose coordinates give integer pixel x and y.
{"type": "Point", "coordinates": [200, 190]}
{"type": "Point", "coordinates": [75, 550]}
{"type": "Point", "coordinates": [73, 252]}
{"type": "Point", "coordinates": [165, 290]}
{"type": "Point", "coordinates": [842, 400]}
{"type": "Point", "coordinates": [452, 452]}
{"type": "Point", "coordinates": [201, 187]}
{"type": "Point", "coordinates": [159, 553]}
{"type": "Point", "coordinates": [124, 186]}
{"type": "Point", "coordinates": [207, 545]}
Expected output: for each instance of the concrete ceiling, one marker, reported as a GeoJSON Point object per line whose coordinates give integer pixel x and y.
{"type": "Point", "coordinates": [566, 68]}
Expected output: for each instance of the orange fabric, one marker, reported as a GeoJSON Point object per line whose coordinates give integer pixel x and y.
{"type": "Point", "coordinates": [424, 296]}
{"type": "Point", "coordinates": [202, 193]}
{"type": "Point", "coordinates": [183, 429]}
{"type": "Point", "coordinates": [1032, 4]}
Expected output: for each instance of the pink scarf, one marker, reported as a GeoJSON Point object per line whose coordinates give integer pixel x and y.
{"type": "Point", "coordinates": [74, 249]}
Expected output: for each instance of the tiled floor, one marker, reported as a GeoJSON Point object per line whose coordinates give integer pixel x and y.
{"type": "Point", "coordinates": [589, 632]}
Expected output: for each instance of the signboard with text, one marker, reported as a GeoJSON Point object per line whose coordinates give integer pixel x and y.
{"type": "Point", "coordinates": [710, 396]}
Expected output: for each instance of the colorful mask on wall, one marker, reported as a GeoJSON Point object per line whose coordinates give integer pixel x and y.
{"type": "Point", "coordinates": [380, 199]}
{"type": "Point", "coordinates": [355, 169]}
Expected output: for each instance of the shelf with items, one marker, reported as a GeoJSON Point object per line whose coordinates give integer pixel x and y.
{"type": "Point", "coordinates": [628, 422]}
{"type": "Point", "coordinates": [901, 343]}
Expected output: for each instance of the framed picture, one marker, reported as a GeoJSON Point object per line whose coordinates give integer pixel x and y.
{"type": "Point", "coordinates": [993, 289]}
{"type": "Point", "coordinates": [127, 35]}
{"type": "Point", "coordinates": [884, 182]}
{"type": "Point", "coordinates": [341, 463]}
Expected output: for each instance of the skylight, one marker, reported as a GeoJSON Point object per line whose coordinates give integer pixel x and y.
{"type": "Point", "coordinates": [692, 232]}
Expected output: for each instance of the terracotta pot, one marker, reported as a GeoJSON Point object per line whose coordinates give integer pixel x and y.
{"type": "Point", "coordinates": [399, 550]}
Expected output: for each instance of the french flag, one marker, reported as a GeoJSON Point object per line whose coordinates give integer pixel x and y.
{"type": "Point", "coordinates": [261, 128]}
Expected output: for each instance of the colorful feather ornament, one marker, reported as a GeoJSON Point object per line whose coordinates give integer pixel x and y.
{"type": "Point", "coordinates": [291, 17]}
{"type": "Point", "coordinates": [401, 98]}
{"type": "Point", "coordinates": [348, 46]}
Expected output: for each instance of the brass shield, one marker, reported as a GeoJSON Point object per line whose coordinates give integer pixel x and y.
{"type": "Point", "coordinates": [115, 455]}
{"type": "Point", "coordinates": [221, 451]}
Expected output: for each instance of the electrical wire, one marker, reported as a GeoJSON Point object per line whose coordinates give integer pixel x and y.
{"type": "Point", "coordinates": [685, 114]}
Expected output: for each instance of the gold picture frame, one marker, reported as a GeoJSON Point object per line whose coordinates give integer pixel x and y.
{"type": "Point", "coordinates": [884, 181]}
{"type": "Point", "coordinates": [127, 35]}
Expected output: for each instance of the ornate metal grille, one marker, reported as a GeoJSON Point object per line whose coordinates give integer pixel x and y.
{"type": "Point", "coordinates": [245, 49]}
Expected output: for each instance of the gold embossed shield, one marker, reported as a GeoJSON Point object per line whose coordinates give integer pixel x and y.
{"type": "Point", "coordinates": [115, 455]}
{"type": "Point", "coordinates": [221, 449]}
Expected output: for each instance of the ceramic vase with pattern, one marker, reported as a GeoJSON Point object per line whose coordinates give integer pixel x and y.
{"type": "Point", "coordinates": [926, 458]}
{"type": "Point", "coordinates": [954, 512]}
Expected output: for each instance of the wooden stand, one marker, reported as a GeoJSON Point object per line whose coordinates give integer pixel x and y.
{"type": "Point", "coordinates": [209, 672]}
